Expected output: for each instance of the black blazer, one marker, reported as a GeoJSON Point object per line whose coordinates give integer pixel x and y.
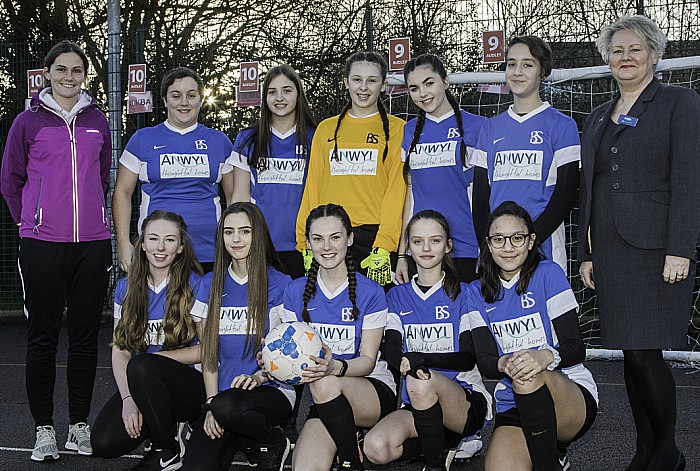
{"type": "Point", "coordinates": [655, 189]}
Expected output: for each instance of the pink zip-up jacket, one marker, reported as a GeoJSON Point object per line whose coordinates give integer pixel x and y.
{"type": "Point", "coordinates": [55, 173]}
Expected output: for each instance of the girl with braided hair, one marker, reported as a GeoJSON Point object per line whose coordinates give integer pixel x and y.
{"type": "Point", "coordinates": [355, 161]}
{"type": "Point", "coordinates": [436, 149]}
{"type": "Point", "coordinates": [238, 303]}
{"type": "Point", "coordinates": [350, 386]}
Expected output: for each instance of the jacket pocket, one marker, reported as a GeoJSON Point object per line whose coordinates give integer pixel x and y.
{"type": "Point", "coordinates": [39, 211]}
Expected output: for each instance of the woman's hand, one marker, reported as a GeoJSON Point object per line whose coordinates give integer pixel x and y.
{"type": "Point", "coordinates": [586, 272]}
{"type": "Point", "coordinates": [124, 252]}
{"type": "Point", "coordinates": [132, 418]}
{"type": "Point", "coordinates": [675, 269]}
{"type": "Point", "coordinates": [402, 271]}
{"type": "Point", "coordinates": [263, 371]}
{"type": "Point", "coordinates": [326, 366]}
{"type": "Point", "coordinates": [524, 365]}
{"type": "Point", "coordinates": [212, 427]}
{"type": "Point", "coordinates": [247, 382]}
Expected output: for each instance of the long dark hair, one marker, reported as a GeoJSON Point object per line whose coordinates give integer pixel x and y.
{"type": "Point", "coordinates": [178, 327]}
{"type": "Point", "coordinates": [373, 58]}
{"type": "Point", "coordinates": [434, 62]}
{"type": "Point", "coordinates": [336, 211]}
{"type": "Point", "coordinates": [451, 282]}
{"type": "Point", "coordinates": [261, 136]}
{"type": "Point", "coordinates": [489, 271]}
{"type": "Point", "coordinates": [261, 255]}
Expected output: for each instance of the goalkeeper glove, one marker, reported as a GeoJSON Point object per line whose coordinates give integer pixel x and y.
{"type": "Point", "coordinates": [378, 266]}
{"type": "Point", "coordinates": [308, 258]}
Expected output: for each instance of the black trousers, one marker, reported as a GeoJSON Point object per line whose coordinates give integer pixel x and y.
{"type": "Point", "coordinates": [54, 275]}
{"type": "Point", "coordinates": [246, 416]}
{"type": "Point", "coordinates": [165, 391]}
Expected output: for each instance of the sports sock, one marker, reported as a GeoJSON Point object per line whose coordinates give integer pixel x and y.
{"type": "Point", "coordinates": [338, 418]}
{"type": "Point", "coordinates": [428, 423]}
{"type": "Point", "coordinates": [539, 424]}
{"type": "Point", "coordinates": [411, 449]}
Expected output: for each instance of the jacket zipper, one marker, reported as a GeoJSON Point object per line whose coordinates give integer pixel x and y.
{"type": "Point", "coordinates": [74, 160]}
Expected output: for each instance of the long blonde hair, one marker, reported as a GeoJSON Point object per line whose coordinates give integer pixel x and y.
{"type": "Point", "coordinates": [178, 327]}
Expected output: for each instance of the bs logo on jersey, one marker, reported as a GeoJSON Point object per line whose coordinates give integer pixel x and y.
{"type": "Point", "coordinates": [346, 315]}
{"type": "Point", "coordinates": [452, 133]}
{"type": "Point", "coordinates": [372, 138]}
{"type": "Point", "coordinates": [200, 144]}
{"type": "Point", "coordinates": [441, 312]}
{"type": "Point", "coordinates": [526, 300]}
{"type": "Point", "coordinates": [536, 137]}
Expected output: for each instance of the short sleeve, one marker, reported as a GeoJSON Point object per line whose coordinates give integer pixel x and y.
{"type": "Point", "coordinates": [393, 321]}
{"type": "Point", "coordinates": [130, 157]}
{"type": "Point", "coordinates": [201, 299]}
{"type": "Point", "coordinates": [119, 293]}
{"type": "Point", "coordinates": [560, 296]}
{"type": "Point", "coordinates": [479, 156]}
{"type": "Point", "coordinates": [567, 144]}
{"type": "Point", "coordinates": [376, 308]}
{"type": "Point", "coordinates": [475, 303]}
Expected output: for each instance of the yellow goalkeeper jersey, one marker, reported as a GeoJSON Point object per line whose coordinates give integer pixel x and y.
{"type": "Point", "coordinates": [371, 190]}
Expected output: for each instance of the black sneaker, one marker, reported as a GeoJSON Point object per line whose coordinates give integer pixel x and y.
{"type": "Point", "coordinates": [563, 463]}
{"type": "Point", "coordinates": [160, 460]}
{"type": "Point", "coordinates": [347, 466]}
{"type": "Point", "coordinates": [273, 455]}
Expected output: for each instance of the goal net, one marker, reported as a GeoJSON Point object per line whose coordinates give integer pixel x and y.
{"type": "Point", "coordinates": [575, 92]}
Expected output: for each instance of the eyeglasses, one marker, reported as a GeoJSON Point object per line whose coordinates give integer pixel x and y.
{"type": "Point", "coordinates": [499, 241]}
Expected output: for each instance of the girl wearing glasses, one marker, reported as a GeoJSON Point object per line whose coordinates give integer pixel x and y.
{"type": "Point", "coordinates": [524, 325]}
{"type": "Point", "coordinates": [530, 153]}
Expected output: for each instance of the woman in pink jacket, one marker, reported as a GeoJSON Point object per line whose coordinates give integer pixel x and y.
{"type": "Point", "coordinates": [55, 174]}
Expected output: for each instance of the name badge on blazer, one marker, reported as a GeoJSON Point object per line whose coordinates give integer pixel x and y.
{"type": "Point", "coordinates": [627, 120]}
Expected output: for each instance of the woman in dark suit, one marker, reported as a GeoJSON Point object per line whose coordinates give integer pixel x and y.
{"type": "Point", "coordinates": [639, 226]}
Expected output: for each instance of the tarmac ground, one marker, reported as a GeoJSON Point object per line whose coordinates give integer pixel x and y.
{"type": "Point", "coordinates": [607, 446]}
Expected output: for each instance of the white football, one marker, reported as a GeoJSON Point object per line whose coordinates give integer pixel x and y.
{"type": "Point", "coordinates": [287, 348]}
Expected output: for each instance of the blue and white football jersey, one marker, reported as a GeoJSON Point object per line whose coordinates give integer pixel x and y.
{"type": "Point", "coordinates": [431, 322]}
{"type": "Point", "coordinates": [277, 191]}
{"type": "Point", "coordinates": [233, 323]}
{"type": "Point", "coordinates": [179, 171]}
{"type": "Point", "coordinates": [525, 322]}
{"type": "Point", "coordinates": [156, 308]}
{"type": "Point", "coordinates": [331, 316]}
{"type": "Point", "coordinates": [521, 155]}
{"type": "Point", "coordinates": [439, 181]}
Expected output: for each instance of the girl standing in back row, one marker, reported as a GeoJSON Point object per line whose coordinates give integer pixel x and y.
{"type": "Point", "coordinates": [270, 161]}
{"type": "Point", "coordinates": [356, 162]}
{"type": "Point", "coordinates": [436, 148]}
{"type": "Point", "coordinates": [530, 154]}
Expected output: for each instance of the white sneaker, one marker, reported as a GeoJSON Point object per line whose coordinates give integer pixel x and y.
{"type": "Point", "coordinates": [79, 439]}
{"type": "Point", "coordinates": [469, 447]}
{"type": "Point", "coordinates": [45, 447]}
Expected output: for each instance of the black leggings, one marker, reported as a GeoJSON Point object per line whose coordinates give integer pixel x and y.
{"type": "Point", "coordinates": [165, 391]}
{"type": "Point", "coordinates": [244, 415]}
{"type": "Point", "coordinates": [54, 275]}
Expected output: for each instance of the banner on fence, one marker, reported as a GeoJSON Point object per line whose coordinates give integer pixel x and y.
{"type": "Point", "coordinates": [494, 47]}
